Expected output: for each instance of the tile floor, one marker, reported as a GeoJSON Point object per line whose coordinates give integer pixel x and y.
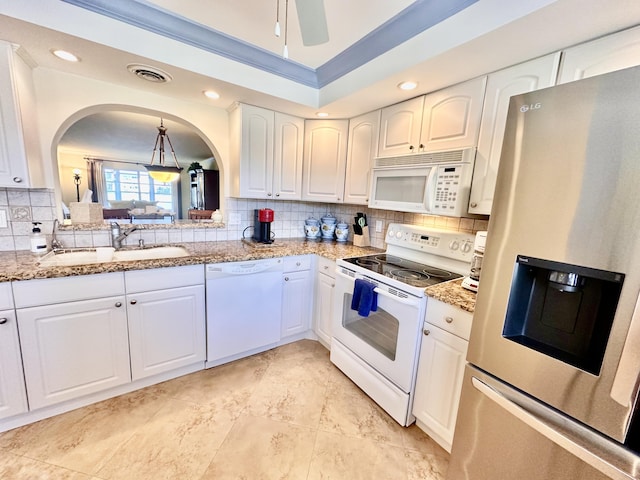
{"type": "Point", "coordinates": [284, 414]}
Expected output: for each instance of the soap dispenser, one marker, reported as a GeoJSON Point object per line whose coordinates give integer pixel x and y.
{"type": "Point", "coordinates": [38, 240]}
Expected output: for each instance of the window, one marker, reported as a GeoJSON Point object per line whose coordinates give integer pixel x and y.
{"type": "Point", "coordinates": [131, 183]}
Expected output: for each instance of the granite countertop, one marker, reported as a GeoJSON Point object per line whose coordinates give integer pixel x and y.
{"type": "Point", "coordinates": [23, 265]}
{"type": "Point", "coordinates": [452, 293]}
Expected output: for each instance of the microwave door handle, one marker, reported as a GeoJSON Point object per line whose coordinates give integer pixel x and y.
{"type": "Point", "coordinates": [616, 463]}
{"type": "Point", "coordinates": [625, 382]}
{"type": "Point", "coordinates": [429, 193]}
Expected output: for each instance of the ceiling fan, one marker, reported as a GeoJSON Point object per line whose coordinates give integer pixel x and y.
{"type": "Point", "coordinates": [312, 20]}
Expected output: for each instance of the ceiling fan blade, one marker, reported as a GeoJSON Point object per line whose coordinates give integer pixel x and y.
{"type": "Point", "coordinates": [313, 22]}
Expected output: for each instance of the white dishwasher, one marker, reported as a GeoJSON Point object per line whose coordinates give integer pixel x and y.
{"type": "Point", "coordinates": [244, 308]}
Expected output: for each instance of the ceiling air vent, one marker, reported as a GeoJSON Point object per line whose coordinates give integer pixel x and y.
{"type": "Point", "coordinates": [150, 74]}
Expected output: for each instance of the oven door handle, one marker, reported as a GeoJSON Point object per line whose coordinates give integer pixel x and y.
{"type": "Point", "coordinates": [414, 302]}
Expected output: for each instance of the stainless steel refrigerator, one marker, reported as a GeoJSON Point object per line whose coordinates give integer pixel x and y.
{"type": "Point", "coordinates": [551, 385]}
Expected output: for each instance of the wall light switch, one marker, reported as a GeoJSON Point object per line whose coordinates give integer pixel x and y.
{"type": "Point", "coordinates": [378, 226]}
{"type": "Point", "coordinates": [234, 219]}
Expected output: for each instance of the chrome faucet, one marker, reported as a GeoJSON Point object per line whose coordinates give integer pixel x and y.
{"type": "Point", "coordinates": [117, 235]}
{"type": "Point", "coordinates": [55, 243]}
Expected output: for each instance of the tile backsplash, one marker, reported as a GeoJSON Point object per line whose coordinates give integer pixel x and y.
{"type": "Point", "coordinates": [19, 207]}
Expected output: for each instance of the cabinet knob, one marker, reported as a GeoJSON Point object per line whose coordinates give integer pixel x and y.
{"type": "Point", "coordinates": [286, 279]}
{"type": "Point", "coordinates": [297, 264]}
{"type": "Point", "coordinates": [473, 204]}
{"type": "Point", "coordinates": [17, 179]}
{"type": "Point", "coordinates": [3, 321]}
{"type": "Point", "coordinates": [448, 319]}
{"type": "Point", "coordinates": [411, 147]}
{"type": "Point", "coordinates": [269, 194]}
{"type": "Point", "coordinates": [421, 146]}
{"type": "Point", "coordinates": [118, 304]}
{"type": "Point", "coordinates": [326, 267]}
{"type": "Point", "coordinates": [133, 302]}
{"type": "Point", "coordinates": [426, 332]}
{"type": "Point", "coordinates": [333, 285]}
{"type": "Point", "coordinates": [277, 194]}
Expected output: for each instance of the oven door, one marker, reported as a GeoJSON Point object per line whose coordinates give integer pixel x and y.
{"type": "Point", "coordinates": [387, 339]}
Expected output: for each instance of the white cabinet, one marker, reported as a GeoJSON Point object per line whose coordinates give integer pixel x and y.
{"type": "Point", "coordinates": [400, 128]}
{"type": "Point", "coordinates": [606, 54]}
{"type": "Point", "coordinates": [13, 395]}
{"type": "Point", "coordinates": [440, 370]}
{"type": "Point", "coordinates": [323, 303]}
{"type": "Point", "coordinates": [523, 78]}
{"type": "Point", "coordinates": [166, 312]}
{"type": "Point", "coordinates": [362, 147]}
{"type": "Point", "coordinates": [296, 295]}
{"type": "Point", "coordinates": [325, 158]}
{"type": "Point", "coordinates": [266, 153]}
{"type": "Point", "coordinates": [20, 157]}
{"type": "Point", "coordinates": [451, 117]}
{"type": "Point", "coordinates": [73, 349]}
{"type": "Point", "coordinates": [443, 120]}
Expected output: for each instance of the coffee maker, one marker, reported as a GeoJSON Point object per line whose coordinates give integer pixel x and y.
{"type": "Point", "coordinates": [473, 280]}
{"type": "Point", "coordinates": [262, 225]}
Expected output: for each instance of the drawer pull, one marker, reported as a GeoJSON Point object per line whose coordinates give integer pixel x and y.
{"type": "Point", "coordinates": [426, 332]}
{"type": "Point", "coordinates": [448, 319]}
{"type": "Point", "coordinates": [118, 304]}
{"type": "Point", "coordinates": [133, 302]}
{"type": "Point", "coordinates": [3, 321]}
{"type": "Point", "coordinates": [286, 279]}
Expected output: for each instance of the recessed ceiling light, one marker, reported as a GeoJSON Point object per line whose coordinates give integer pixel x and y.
{"type": "Point", "coordinates": [211, 94]}
{"type": "Point", "coordinates": [407, 85]}
{"type": "Point", "coordinates": [64, 55]}
{"type": "Point", "coordinates": [322, 114]}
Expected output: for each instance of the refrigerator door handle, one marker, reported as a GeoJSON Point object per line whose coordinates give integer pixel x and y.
{"type": "Point", "coordinates": [625, 383]}
{"type": "Point", "coordinates": [572, 437]}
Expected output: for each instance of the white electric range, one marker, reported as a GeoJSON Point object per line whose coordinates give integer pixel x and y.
{"type": "Point", "coordinates": [378, 348]}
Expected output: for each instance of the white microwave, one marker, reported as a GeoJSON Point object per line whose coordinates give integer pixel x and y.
{"type": "Point", "coordinates": [437, 183]}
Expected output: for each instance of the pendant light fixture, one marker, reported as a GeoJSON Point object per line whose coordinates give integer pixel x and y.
{"type": "Point", "coordinates": [161, 172]}
{"type": "Point", "coordinates": [285, 51]}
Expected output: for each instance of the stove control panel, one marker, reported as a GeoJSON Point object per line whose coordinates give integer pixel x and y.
{"type": "Point", "coordinates": [450, 244]}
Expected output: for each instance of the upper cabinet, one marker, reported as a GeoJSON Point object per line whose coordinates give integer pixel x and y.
{"type": "Point", "coordinates": [20, 156]}
{"type": "Point", "coordinates": [442, 120]}
{"type": "Point", "coordinates": [362, 147]}
{"type": "Point", "coordinates": [451, 117]}
{"type": "Point", "coordinates": [607, 54]}
{"type": "Point", "coordinates": [266, 153]}
{"type": "Point", "coordinates": [523, 78]}
{"type": "Point", "coordinates": [325, 157]}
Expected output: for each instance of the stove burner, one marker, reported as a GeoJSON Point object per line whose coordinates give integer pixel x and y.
{"type": "Point", "coordinates": [436, 272]}
{"type": "Point", "coordinates": [409, 276]}
{"type": "Point", "coordinates": [390, 259]}
{"type": "Point", "coordinates": [367, 262]}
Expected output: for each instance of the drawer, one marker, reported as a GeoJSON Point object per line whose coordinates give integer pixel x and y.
{"type": "Point", "coordinates": [137, 281]}
{"type": "Point", "coordinates": [326, 266]}
{"type": "Point", "coordinates": [297, 263]}
{"type": "Point", "coordinates": [449, 317]}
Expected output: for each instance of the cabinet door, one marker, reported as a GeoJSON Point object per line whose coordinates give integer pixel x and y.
{"type": "Point", "coordinates": [400, 128]}
{"type": "Point", "coordinates": [323, 310]}
{"type": "Point", "coordinates": [325, 158]}
{"type": "Point", "coordinates": [439, 383]}
{"type": "Point", "coordinates": [73, 349]}
{"type": "Point", "coordinates": [362, 147]}
{"type": "Point", "coordinates": [296, 302]}
{"type": "Point", "coordinates": [523, 78]}
{"type": "Point", "coordinates": [20, 159]}
{"type": "Point", "coordinates": [451, 117]}
{"type": "Point", "coordinates": [256, 152]}
{"type": "Point", "coordinates": [607, 54]}
{"type": "Point", "coordinates": [166, 330]}
{"type": "Point", "coordinates": [287, 160]}
{"type": "Point", "coordinates": [13, 396]}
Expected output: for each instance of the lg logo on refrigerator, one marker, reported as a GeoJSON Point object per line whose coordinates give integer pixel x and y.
{"type": "Point", "coordinates": [533, 106]}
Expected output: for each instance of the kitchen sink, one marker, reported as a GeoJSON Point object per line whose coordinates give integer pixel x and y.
{"type": "Point", "coordinates": [82, 256]}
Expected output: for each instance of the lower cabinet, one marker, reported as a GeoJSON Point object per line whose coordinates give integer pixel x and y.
{"type": "Point", "coordinates": [166, 330]}
{"type": "Point", "coordinates": [296, 296]}
{"type": "Point", "coordinates": [440, 370]}
{"type": "Point", "coordinates": [13, 395]}
{"type": "Point", "coordinates": [73, 349]}
{"type": "Point", "coordinates": [323, 302]}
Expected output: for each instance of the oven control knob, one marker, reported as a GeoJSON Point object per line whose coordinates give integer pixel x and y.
{"type": "Point", "coordinates": [399, 235]}
{"type": "Point", "coordinates": [454, 245]}
{"type": "Point", "coordinates": [466, 247]}
{"type": "Point", "coordinates": [390, 233]}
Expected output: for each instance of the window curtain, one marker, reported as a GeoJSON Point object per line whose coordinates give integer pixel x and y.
{"type": "Point", "coordinates": [96, 181]}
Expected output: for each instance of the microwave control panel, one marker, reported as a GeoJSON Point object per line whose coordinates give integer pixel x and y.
{"type": "Point", "coordinates": [448, 182]}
